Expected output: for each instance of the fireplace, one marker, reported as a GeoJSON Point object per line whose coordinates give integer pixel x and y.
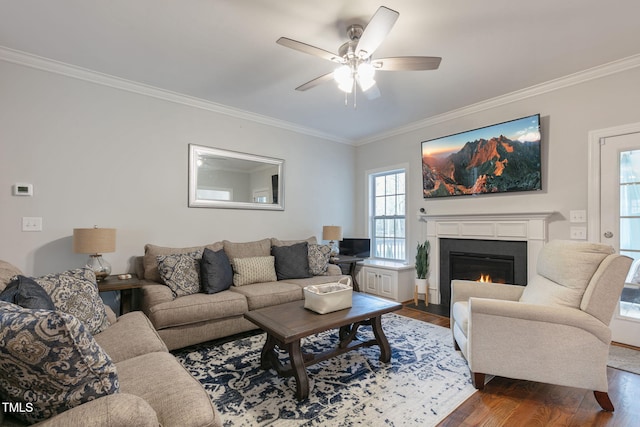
{"type": "Point", "coordinates": [528, 228]}
{"type": "Point", "coordinates": [481, 267]}
{"type": "Point", "coordinates": [497, 261]}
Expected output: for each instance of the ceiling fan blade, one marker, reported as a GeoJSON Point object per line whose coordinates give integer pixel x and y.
{"type": "Point", "coordinates": [315, 82]}
{"type": "Point", "coordinates": [376, 31]}
{"type": "Point", "coordinates": [307, 48]}
{"type": "Point", "coordinates": [407, 63]}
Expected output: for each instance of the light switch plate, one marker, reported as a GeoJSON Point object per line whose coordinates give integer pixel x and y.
{"type": "Point", "coordinates": [578, 216]}
{"type": "Point", "coordinates": [578, 233]}
{"type": "Point", "coordinates": [31, 223]}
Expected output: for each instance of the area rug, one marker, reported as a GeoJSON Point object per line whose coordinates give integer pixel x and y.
{"type": "Point", "coordinates": [424, 382]}
{"type": "Point", "coordinates": [626, 359]}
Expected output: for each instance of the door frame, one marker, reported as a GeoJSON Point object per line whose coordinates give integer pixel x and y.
{"type": "Point", "coordinates": [593, 174]}
{"type": "Point", "coordinates": [593, 202]}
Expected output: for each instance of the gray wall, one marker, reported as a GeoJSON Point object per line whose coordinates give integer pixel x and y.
{"type": "Point", "coordinates": [567, 114]}
{"type": "Point", "coordinates": [100, 155]}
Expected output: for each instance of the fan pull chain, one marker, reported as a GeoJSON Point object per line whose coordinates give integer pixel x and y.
{"type": "Point", "coordinates": [355, 95]}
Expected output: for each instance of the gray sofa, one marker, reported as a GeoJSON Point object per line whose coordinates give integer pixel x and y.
{"type": "Point", "coordinates": [198, 317]}
{"type": "Point", "coordinates": [154, 388]}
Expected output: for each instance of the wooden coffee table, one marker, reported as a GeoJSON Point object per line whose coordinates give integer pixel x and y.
{"type": "Point", "coordinates": [286, 324]}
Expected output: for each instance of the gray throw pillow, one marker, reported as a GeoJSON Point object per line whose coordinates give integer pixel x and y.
{"type": "Point", "coordinates": [216, 273]}
{"type": "Point", "coordinates": [27, 293]}
{"type": "Point", "coordinates": [291, 262]}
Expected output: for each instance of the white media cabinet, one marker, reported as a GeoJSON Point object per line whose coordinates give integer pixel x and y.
{"type": "Point", "coordinates": [393, 280]}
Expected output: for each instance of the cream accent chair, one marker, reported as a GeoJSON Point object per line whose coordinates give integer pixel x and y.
{"type": "Point", "coordinates": [555, 330]}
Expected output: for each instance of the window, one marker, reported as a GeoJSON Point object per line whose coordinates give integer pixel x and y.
{"type": "Point", "coordinates": [388, 207]}
{"type": "Point", "coordinates": [215, 194]}
{"type": "Point", "coordinates": [630, 229]}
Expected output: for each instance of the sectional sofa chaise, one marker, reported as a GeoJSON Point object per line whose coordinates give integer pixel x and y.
{"type": "Point", "coordinates": [77, 365]}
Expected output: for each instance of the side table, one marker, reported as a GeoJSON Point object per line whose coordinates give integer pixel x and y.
{"type": "Point", "coordinates": [124, 286]}
{"type": "Point", "coordinates": [351, 261]}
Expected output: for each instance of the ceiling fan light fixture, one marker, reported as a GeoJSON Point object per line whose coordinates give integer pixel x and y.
{"type": "Point", "coordinates": [366, 70]}
{"type": "Point", "coordinates": [344, 77]}
{"type": "Point", "coordinates": [366, 73]}
{"type": "Point", "coordinates": [346, 86]}
{"type": "Point", "coordinates": [357, 66]}
{"type": "Point", "coordinates": [365, 84]}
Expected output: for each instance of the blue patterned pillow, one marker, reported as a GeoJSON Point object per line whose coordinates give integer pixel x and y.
{"type": "Point", "coordinates": [50, 363]}
{"type": "Point", "coordinates": [181, 272]}
{"type": "Point", "coordinates": [76, 292]}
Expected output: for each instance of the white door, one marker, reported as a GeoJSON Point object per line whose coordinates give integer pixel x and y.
{"type": "Point", "coordinates": [620, 224]}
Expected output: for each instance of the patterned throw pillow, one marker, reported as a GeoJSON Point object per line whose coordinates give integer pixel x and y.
{"type": "Point", "coordinates": [50, 362]}
{"type": "Point", "coordinates": [181, 272]}
{"type": "Point", "coordinates": [319, 259]}
{"type": "Point", "coordinates": [254, 270]}
{"type": "Point", "coordinates": [76, 292]}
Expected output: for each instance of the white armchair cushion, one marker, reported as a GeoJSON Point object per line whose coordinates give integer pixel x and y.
{"type": "Point", "coordinates": [543, 291]}
{"type": "Point", "coordinates": [461, 315]}
{"type": "Point", "coordinates": [564, 269]}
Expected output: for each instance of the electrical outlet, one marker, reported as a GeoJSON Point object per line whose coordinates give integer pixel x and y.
{"type": "Point", "coordinates": [31, 223]}
{"type": "Point", "coordinates": [578, 216]}
{"type": "Point", "coordinates": [578, 233]}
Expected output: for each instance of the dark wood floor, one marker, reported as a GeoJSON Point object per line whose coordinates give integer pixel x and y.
{"type": "Point", "coordinates": [507, 402]}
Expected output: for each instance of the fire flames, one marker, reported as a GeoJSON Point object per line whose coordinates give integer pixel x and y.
{"type": "Point", "coordinates": [484, 278]}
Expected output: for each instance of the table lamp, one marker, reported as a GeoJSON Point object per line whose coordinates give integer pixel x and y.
{"type": "Point", "coordinates": [333, 233]}
{"type": "Point", "coordinates": [95, 241]}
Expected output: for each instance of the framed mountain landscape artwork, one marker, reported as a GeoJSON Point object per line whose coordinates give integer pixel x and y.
{"type": "Point", "coordinates": [499, 158]}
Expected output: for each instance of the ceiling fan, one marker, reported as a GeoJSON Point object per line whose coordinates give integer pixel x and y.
{"type": "Point", "coordinates": [354, 58]}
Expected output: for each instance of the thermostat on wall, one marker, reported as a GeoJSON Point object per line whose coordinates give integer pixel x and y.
{"type": "Point", "coordinates": [22, 189]}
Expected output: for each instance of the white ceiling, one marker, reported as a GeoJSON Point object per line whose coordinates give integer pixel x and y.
{"type": "Point", "coordinates": [224, 51]}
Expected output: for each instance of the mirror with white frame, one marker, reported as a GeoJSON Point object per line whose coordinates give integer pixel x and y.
{"type": "Point", "coordinates": [229, 179]}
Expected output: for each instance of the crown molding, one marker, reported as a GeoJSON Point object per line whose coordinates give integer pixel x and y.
{"type": "Point", "coordinates": [46, 64]}
{"type": "Point", "coordinates": [50, 65]}
{"type": "Point", "coordinates": [539, 89]}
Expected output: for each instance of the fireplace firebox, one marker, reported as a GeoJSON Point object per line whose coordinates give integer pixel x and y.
{"type": "Point", "coordinates": [481, 267]}
{"type": "Point", "coordinates": [496, 261]}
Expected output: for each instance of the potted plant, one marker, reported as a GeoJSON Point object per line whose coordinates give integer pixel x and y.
{"type": "Point", "coordinates": [422, 270]}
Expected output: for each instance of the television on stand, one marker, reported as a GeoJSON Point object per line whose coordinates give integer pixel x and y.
{"type": "Point", "coordinates": [357, 247]}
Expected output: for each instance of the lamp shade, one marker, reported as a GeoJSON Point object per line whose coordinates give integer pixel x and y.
{"type": "Point", "coordinates": [94, 240]}
{"type": "Point", "coordinates": [331, 232]}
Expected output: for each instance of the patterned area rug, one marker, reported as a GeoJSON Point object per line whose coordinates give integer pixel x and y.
{"type": "Point", "coordinates": [424, 382]}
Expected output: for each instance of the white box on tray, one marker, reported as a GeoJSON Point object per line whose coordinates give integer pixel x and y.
{"type": "Point", "coordinates": [329, 297]}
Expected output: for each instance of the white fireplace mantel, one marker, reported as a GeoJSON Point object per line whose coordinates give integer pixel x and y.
{"type": "Point", "coordinates": [516, 226]}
